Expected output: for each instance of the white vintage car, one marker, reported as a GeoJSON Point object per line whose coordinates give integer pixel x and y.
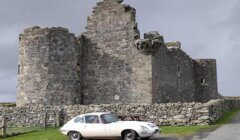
{"type": "Point", "coordinates": [106, 125]}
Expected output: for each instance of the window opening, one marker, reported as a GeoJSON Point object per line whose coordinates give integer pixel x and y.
{"type": "Point", "coordinates": [18, 69]}
{"type": "Point", "coordinates": [203, 81]}
{"type": "Point", "coordinates": [178, 71]}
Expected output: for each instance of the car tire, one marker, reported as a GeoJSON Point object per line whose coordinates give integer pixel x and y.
{"type": "Point", "coordinates": [147, 138]}
{"type": "Point", "coordinates": [130, 135]}
{"type": "Point", "coordinates": [75, 135]}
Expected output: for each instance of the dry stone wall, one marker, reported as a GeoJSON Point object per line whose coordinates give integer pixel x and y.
{"type": "Point", "coordinates": [174, 114]}
{"type": "Point", "coordinates": [31, 117]}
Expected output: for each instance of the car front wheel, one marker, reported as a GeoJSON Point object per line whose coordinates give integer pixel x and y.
{"type": "Point", "coordinates": [147, 138]}
{"type": "Point", "coordinates": [75, 136]}
{"type": "Point", "coordinates": [130, 135]}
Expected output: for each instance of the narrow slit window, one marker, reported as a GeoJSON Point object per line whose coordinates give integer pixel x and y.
{"type": "Point", "coordinates": [78, 66]}
{"type": "Point", "coordinates": [18, 69]}
{"type": "Point", "coordinates": [178, 71]}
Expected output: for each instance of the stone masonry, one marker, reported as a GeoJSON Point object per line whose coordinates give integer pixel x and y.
{"type": "Point", "coordinates": [175, 114]}
{"type": "Point", "coordinates": [48, 67]}
{"type": "Point", "coordinates": [109, 64]}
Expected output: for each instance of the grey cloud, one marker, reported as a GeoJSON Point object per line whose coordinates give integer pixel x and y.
{"type": "Point", "coordinates": [233, 22]}
{"type": "Point", "coordinates": [9, 50]}
{"type": "Point", "coordinates": [9, 97]}
{"type": "Point", "coordinates": [46, 13]}
{"type": "Point", "coordinates": [9, 83]}
{"type": "Point", "coordinates": [8, 88]}
{"type": "Point", "coordinates": [205, 28]}
{"type": "Point", "coordinates": [9, 57]}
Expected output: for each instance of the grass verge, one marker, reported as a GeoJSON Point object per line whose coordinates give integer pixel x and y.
{"type": "Point", "coordinates": [49, 134]}
{"type": "Point", "coordinates": [8, 104]}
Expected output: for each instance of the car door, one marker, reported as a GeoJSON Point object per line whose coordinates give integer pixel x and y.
{"type": "Point", "coordinates": [111, 125]}
{"type": "Point", "coordinates": [114, 129]}
{"type": "Point", "coordinates": [93, 128]}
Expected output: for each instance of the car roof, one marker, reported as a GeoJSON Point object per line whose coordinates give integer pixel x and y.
{"type": "Point", "coordinates": [95, 113]}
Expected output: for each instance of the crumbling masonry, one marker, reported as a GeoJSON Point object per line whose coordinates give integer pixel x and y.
{"type": "Point", "coordinates": [109, 63]}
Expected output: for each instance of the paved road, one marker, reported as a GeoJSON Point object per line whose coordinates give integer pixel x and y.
{"type": "Point", "coordinates": [230, 131]}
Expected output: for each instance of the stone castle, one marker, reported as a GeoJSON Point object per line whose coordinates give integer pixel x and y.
{"type": "Point", "coordinates": [109, 63]}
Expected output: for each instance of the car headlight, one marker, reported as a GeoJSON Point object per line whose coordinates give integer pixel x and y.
{"type": "Point", "coordinates": [152, 125]}
{"type": "Point", "coordinates": [145, 129]}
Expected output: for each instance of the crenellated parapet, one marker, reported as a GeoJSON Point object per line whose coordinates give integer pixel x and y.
{"type": "Point", "coordinates": [147, 46]}
{"type": "Point", "coordinates": [173, 45]}
{"type": "Point", "coordinates": [150, 44]}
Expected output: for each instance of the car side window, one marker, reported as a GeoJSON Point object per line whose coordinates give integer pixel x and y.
{"type": "Point", "coordinates": [79, 120]}
{"type": "Point", "coordinates": [92, 119]}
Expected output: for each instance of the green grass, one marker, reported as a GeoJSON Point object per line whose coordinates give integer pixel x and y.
{"type": "Point", "coordinates": [54, 134]}
{"type": "Point", "coordinates": [8, 104]}
{"type": "Point", "coordinates": [49, 134]}
{"type": "Point", "coordinates": [227, 117]}
{"type": "Point", "coordinates": [182, 130]}
{"type": "Point", "coordinates": [20, 130]}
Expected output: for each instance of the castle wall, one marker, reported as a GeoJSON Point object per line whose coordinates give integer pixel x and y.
{"type": "Point", "coordinates": [173, 79]}
{"type": "Point", "coordinates": [109, 64]}
{"type": "Point", "coordinates": [113, 70]}
{"type": "Point", "coordinates": [205, 72]}
{"type": "Point", "coordinates": [49, 67]}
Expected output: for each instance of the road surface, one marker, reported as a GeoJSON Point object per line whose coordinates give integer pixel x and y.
{"type": "Point", "coordinates": [230, 131]}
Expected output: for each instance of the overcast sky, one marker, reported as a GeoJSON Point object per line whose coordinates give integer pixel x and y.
{"type": "Point", "coordinates": [206, 29]}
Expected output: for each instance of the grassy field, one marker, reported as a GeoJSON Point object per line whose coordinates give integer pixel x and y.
{"type": "Point", "coordinates": [54, 134]}
{"type": "Point", "coordinates": [8, 104]}
{"type": "Point", "coordinates": [49, 134]}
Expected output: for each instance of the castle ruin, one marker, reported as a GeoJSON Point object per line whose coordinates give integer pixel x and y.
{"type": "Point", "coordinates": [109, 63]}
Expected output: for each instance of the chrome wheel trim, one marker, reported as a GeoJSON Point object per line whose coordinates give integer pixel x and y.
{"type": "Point", "coordinates": [129, 136]}
{"type": "Point", "coordinates": [75, 136]}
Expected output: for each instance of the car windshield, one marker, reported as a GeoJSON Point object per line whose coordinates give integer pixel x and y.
{"type": "Point", "coordinates": [108, 118]}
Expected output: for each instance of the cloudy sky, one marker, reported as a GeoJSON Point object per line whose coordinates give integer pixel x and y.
{"type": "Point", "coordinates": [206, 28]}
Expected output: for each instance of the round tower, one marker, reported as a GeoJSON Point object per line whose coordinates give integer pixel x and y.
{"type": "Point", "coordinates": [49, 67]}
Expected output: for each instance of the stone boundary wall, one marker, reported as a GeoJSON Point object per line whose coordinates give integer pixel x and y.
{"type": "Point", "coordinates": [162, 114]}
{"type": "Point", "coordinates": [30, 117]}
{"type": "Point", "coordinates": [217, 108]}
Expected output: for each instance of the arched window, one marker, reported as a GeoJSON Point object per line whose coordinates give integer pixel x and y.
{"type": "Point", "coordinates": [203, 81]}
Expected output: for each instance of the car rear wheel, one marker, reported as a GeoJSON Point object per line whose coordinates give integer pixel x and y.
{"type": "Point", "coordinates": [130, 135]}
{"type": "Point", "coordinates": [147, 138]}
{"type": "Point", "coordinates": [75, 136]}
